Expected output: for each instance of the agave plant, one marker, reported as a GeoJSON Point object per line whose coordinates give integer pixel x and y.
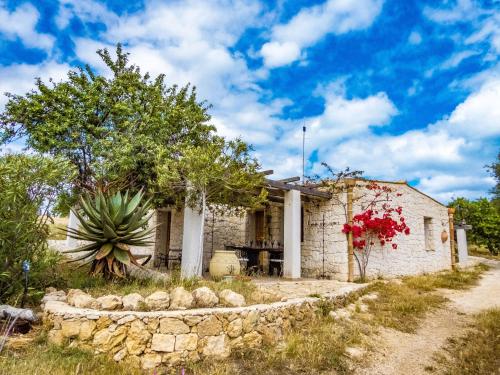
{"type": "Point", "coordinates": [111, 223]}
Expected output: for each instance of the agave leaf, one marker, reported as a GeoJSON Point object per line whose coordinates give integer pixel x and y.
{"type": "Point", "coordinates": [99, 267]}
{"type": "Point", "coordinates": [106, 219]}
{"type": "Point", "coordinates": [91, 213]}
{"type": "Point", "coordinates": [109, 260]}
{"type": "Point", "coordinates": [109, 232]}
{"type": "Point", "coordinates": [82, 257]}
{"type": "Point", "coordinates": [115, 203]}
{"type": "Point", "coordinates": [85, 225]}
{"type": "Point", "coordinates": [117, 271]}
{"type": "Point", "coordinates": [92, 246]}
{"type": "Point", "coordinates": [133, 203]}
{"type": "Point", "coordinates": [120, 214]}
{"type": "Point", "coordinates": [122, 256]}
{"type": "Point", "coordinates": [104, 250]}
{"type": "Point", "coordinates": [123, 246]}
{"type": "Point", "coordinates": [85, 263]}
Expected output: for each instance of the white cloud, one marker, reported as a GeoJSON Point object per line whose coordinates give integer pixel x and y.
{"type": "Point", "coordinates": [445, 157]}
{"type": "Point", "coordinates": [85, 10]}
{"type": "Point", "coordinates": [415, 38]}
{"type": "Point", "coordinates": [20, 78]}
{"type": "Point", "coordinates": [21, 23]}
{"type": "Point", "coordinates": [311, 24]}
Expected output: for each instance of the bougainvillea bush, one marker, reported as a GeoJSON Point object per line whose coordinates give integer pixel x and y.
{"type": "Point", "coordinates": [378, 223]}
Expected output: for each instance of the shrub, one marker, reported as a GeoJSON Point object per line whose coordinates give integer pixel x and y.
{"type": "Point", "coordinates": [29, 185]}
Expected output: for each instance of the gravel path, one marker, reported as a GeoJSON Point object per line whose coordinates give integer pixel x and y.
{"type": "Point", "coordinates": [404, 353]}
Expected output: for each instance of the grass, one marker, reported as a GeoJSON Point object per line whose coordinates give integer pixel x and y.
{"type": "Point", "coordinates": [40, 358]}
{"type": "Point", "coordinates": [399, 306]}
{"type": "Point", "coordinates": [460, 279]}
{"type": "Point", "coordinates": [483, 252]}
{"type": "Point", "coordinates": [474, 353]}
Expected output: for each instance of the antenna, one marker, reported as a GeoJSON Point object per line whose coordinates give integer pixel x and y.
{"type": "Point", "coordinates": [303, 154]}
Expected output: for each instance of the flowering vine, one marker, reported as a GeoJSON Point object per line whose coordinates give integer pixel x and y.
{"type": "Point", "coordinates": [378, 222]}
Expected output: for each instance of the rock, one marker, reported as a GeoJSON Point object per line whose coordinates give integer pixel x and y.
{"type": "Point", "coordinates": [50, 290]}
{"type": "Point", "coordinates": [252, 340]}
{"type": "Point", "coordinates": [172, 359]}
{"type": "Point", "coordinates": [234, 328]}
{"type": "Point", "coordinates": [70, 328]}
{"type": "Point", "coordinates": [158, 301]}
{"type": "Point", "coordinates": [354, 352]}
{"type": "Point", "coordinates": [192, 320]}
{"type": "Point", "coordinates": [56, 337]}
{"type": "Point", "coordinates": [87, 328]}
{"type": "Point", "coordinates": [105, 340]}
{"type": "Point", "coordinates": [126, 319]}
{"type": "Point", "coordinates": [56, 295]}
{"type": "Point", "coordinates": [120, 355]}
{"type": "Point", "coordinates": [103, 322]}
{"type": "Point", "coordinates": [230, 298]}
{"type": "Point", "coordinates": [271, 334]}
{"type": "Point", "coordinates": [370, 297]}
{"type": "Point", "coordinates": [21, 314]}
{"type": "Point", "coordinates": [186, 342]}
{"type": "Point", "coordinates": [236, 343]}
{"type": "Point", "coordinates": [110, 302]}
{"type": "Point", "coordinates": [150, 361]}
{"type": "Point", "coordinates": [163, 343]}
{"type": "Point", "coordinates": [173, 326]}
{"type": "Point", "coordinates": [133, 301]}
{"type": "Point", "coordinates": [205, 297]}
{"type": "Point", "coordinates": [250, 321]}
{"type": "Point", "coordinates": [79, 298]}
{"type": "Point", "coordinates": [180, 299]}
{"type": "Point", "coordinates": [216, 346]}
{"type": "Point", "coordinates": [210, 326]}
{"type": "Point", "coordinates": [137, 338]}
{"type": "Point", "coordinates": [340, 314]}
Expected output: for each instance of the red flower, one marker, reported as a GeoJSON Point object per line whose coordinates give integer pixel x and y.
{"type": "Point", "coordinates": [394, 246]}
{"type": "Point", "coordinates": [407, 231]}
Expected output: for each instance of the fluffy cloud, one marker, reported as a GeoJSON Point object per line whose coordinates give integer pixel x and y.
{"type": "Point", "coordinates": [21, 23]}
{"type": "Point", "coordinates": [19, 78]}
{"type": "Point", "coordinates": [447, 158]}
{"type": "Point", "coordinates": [311, 24]}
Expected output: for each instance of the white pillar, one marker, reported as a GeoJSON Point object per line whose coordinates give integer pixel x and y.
{"type": "Point", "coordinates": [463, 255]}
{"type": "Point", "coordinates": [73, 223]}
{"type": "Point", "coordinates": [192, 249]}
{"type": "Point", "coordinates": [291, 266]}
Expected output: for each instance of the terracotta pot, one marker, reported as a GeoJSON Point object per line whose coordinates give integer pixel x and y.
{"type": "Point", "coordinates": [444, 236]}
{"type": "Point", "coordinates": [224, 263]}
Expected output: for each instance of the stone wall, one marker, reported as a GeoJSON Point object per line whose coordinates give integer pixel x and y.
{"type": "Point", "coordinates": [148, 339]}
{"type": "Point", "coordinates": [411, 256]}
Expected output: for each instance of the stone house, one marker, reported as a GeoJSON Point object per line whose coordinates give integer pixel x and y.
{"type": "Point", "coordinates": [306, 223]}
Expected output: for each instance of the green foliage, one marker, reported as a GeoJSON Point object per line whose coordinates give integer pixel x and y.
{"type": "Point", "coordinates": [110, 129]}
{"type": "Point", "coordinates": [484, 217]}
{"type": "Point", "coordinates": [111, 223]}
{"type": "Point", "coordinates": [29, 186]}
{"type": "Point", "coordinates": [495, 172]}
{"type": "Point", "coordinates": [223, 173]}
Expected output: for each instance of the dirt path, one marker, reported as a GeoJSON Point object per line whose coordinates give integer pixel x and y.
{"type": "Point", "coordinates": [410, 353]}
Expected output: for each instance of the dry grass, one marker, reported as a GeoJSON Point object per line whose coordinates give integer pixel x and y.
{"type": "Point", "coordinates": [475, 353]}
{"type": "Point", "coordinates": [40, 358]}
{"type": "Point", "coordinates": [460, 279]}
{"type": "Point", "coordinates": [399, 306]}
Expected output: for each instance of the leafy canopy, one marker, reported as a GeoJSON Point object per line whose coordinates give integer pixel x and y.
{"type": "Point", "coordinates": [109, 127]}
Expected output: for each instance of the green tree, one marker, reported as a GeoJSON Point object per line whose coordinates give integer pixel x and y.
{"type": "Point", "coordinates": [495, 172]}
{"type": "Point", "coordinates": [484, 218]}
{"type": "Point", "coordinates": [29, 186]}
{"type": "Point", "coordinates": [110, 129]}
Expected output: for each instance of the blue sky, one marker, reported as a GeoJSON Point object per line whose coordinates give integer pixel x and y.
{"type": "Point", "coordinates": [403, 90]}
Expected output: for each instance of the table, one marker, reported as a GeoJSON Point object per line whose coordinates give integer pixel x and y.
{"type": "Point", "coordinates": [259, 256]}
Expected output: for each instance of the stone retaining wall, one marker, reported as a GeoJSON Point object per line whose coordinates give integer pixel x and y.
{"type": "Point", "coordinates": [149, 339]}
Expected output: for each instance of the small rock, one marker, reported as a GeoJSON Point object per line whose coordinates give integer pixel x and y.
{"type": "Point", "coordinates": [180, 299]}
{"type": "Point", "coordinates": [120, 355]}
{"type": "Point", "coordinates": [110, 302]}
{"type": "Point", "coordinates": [163, 343]}
{"type": "Point", "coordinates": [234, 328]}
{"type": "Point", "coordinates": [210, 326]}
{"type": "Point", "coordinates": [57, 295]}
{"type": "Point", "coordinates": [217, 347]}
{"type": "Point", "coordinates": [354, 352]}
{"type": "Point", "coordinates": [340, 314]}
{"type": "Point", "coordinates": [79, 298]}
{"type": "Point", "coordinates": [370, 297]}
{"type": "Point", "coordinates": [133, 301]}
{"type": "Point", "coordinates": [186, 342]}
{"type": "Point", "coordinates": [158, 301]}
{"type": "Point", "coordinates": [205, 297]}
{"type": "Point", "coordinates": [173, 326]}
{"type": "Point", "coordinates": [230, 298]}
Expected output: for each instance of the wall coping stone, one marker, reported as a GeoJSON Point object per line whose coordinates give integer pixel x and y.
{"type": "Point", "coordinates": [68, 311]}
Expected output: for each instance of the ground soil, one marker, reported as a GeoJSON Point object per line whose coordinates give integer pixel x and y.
{"type": "Point", "coordinates": [403, 353]}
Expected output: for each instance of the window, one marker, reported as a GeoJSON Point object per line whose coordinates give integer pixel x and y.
{"type": "Point", "coordinates": [428, 235]}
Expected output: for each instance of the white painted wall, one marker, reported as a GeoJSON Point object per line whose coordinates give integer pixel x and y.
{"type": "Point", "coordinates": [292, 248]}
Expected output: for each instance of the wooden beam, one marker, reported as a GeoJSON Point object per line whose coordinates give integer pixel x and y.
{"type": "Point", "coordinates": [267, 172]}
{"type": "Point", "coordinates": [303, 189]}
{"type": "Point", "coordinates": [290, 179]}
{"type": "Point", "coordinates": [451, 213]}
{"type": "Point", "coordinates": [350, 245]}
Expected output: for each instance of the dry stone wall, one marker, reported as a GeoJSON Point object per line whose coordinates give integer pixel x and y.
{"type": "Point", "coordinates": [150, 339]}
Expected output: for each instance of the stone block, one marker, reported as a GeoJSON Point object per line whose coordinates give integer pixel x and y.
{"type": "Point", "coordinates": [173, 326]}
{"type": "Point", "coordinates": [163, 343]}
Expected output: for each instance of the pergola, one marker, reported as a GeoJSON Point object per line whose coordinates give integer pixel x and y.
{"type": "Point", "coordinates": [286, 191]}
